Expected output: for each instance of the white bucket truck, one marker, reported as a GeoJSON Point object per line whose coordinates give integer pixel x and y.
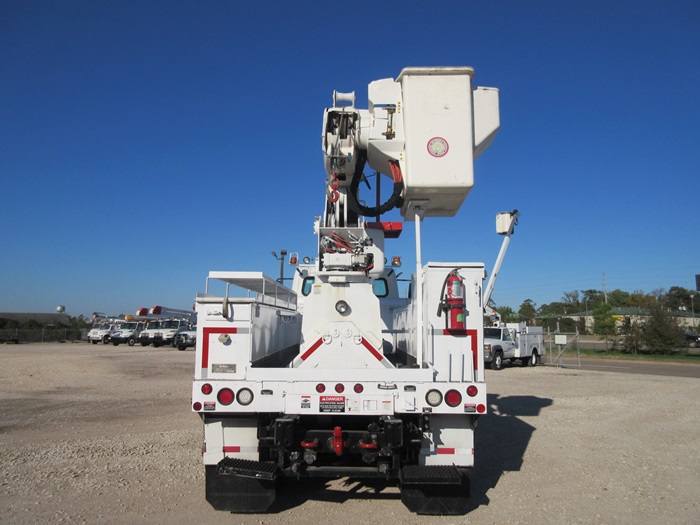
{"type": "Point", "coordinates": [339, 376]}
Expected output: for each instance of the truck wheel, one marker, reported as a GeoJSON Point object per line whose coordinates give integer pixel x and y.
{"type": "Point", "coordinates": [497, 361]}
{"type": "Point", "coordinates": [181, 347]}
{"type": "Point", "coordinates": [143, 343]}
{"type": "Point", "coordinates": [534, 359]}
{"type": "Point", "coordinates": [93, 342]}
{"type": "Point", "coordinates": [115, 343]}
{"type": "Point", "coordinates": [131, 341]}
{"type": "Point", "coordinates": [105, 339]}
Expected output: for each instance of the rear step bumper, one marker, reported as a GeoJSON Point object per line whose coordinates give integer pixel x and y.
{"type": "Point", "coordinates": [244, 468]}
{"type": "Point", "coordinates": [435, 490]}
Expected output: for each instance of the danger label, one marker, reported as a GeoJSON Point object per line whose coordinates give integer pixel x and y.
{"type": "Point", "coordinates": [331, 404]}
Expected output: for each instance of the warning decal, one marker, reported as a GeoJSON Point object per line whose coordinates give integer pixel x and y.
{"type": "Point", "coordinates": [332, 404]}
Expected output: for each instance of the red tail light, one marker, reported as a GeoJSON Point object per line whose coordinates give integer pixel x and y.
{"type": "Point", "coordinates": [472, 391]}
{"type": "Point", "coordinates": [225, 396]}
{"type": "Point", "coordinates": [340, 388]}
{"type": "Point", "coordinates": [453, 398]}
{"type": "Point", "coordinates": [358, 388]}
{"type": "Point", "coordinates": [320, 388]}
{"type": "Point", "coordinates": [207, 389]}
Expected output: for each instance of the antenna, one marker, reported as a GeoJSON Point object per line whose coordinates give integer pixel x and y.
{"type": "Point", "coordinates": [605, 289]}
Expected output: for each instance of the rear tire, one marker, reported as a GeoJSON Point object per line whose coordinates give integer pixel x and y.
{"type": "Point", "coordinates": [131, 341]}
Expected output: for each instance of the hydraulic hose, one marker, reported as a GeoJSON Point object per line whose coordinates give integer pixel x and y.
{"type": "Point", "coordinates": [394, 201]}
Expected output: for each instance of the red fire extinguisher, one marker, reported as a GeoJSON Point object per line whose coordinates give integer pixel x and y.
{"type": "Point", "coordinates": [453, 301]}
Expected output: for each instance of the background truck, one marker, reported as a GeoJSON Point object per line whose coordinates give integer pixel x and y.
{"type": "Point", "coordinates": [101, 330]}
{"type": "Point", "coordinates": [147, 334]}
{"type": "Point", "coordinates": [513, 341]}
{"type": "Point", "coordinates": [127, 332]}
{"type": "Point", "coordinates": [162, 331]}
{"type": "Point", "coordinates": [339, 375]}
{"type": "Point", "coordinates": [185, 338]}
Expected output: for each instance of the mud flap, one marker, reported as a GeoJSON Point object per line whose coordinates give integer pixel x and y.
{"type": "Point", "coordinates": [241, 486]}
{"type": "Point", "coordinates": [434, 490]}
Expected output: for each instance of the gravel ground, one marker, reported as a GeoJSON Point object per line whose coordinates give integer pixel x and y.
{"type": "Point", "coordinates": [103, 434]}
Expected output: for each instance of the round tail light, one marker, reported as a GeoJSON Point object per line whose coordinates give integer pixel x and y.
{"type": "Point", "coordinates": [320, 388]}
{"type": "Point", "coordinates": [340, 388]}
{"type": "Point", "coordinates": [245, 396]}
{"type": "Point", "coordinates": [433, 398]}
{"type": "Point", "coordinates": [207, 389]}
{"type": "Point", "coordinates": [225, 396]}
{"type": "Point", "coordinates": [472, 391]}
{"type": "Point", "coordinates": [358, 388]}
{"type": "Point", "coordinates": [453, 398]}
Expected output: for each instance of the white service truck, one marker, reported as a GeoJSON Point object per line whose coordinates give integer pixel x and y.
{"type": "Point", "coordinates": [161, 331]}
{"type": "Point", "coordinates": [127, 332]}
{"type": "Point", "coordinates": [101, 330]}
{"type": "Point", "coordinates": [339, 375]}
{"type": "Point", "coordinates": [513, 342]}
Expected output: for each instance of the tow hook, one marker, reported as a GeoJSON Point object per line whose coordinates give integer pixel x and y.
{"type": "Point", "coordinates": [338, 443]}
{"type": "Point", "coordinates": [367, 446]}
{"type": "Point", "coordinates": [310, 444]}
{"type": "Point", "coordinates": [309, 452]}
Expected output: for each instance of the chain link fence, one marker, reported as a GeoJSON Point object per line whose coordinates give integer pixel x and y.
{"type": "Point", "coordinates": [562, 348]}
{"type": "Point", "coordinates": [43, 335]}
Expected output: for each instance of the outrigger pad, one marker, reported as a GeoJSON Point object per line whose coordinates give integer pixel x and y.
{"type": "Point", "coordinates": [435, 490]}
{"type": "Point", "coordinates": [237, 493]}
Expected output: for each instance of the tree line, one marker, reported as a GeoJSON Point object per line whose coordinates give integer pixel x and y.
{"type": "Point", "coordinates": [657, 327]}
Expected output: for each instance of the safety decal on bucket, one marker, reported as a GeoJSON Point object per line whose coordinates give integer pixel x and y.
{"type": "Point", "coordinates": [332, 404]}
{"type": "Point", "coordinates": [305, 401]}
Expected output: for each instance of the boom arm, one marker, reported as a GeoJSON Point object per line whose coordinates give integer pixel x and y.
{"type": "Point", "coordinates": [505, 225]}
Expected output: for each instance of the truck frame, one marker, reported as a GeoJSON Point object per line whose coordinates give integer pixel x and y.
{"type": "Point", "coordinates": [339, 375]}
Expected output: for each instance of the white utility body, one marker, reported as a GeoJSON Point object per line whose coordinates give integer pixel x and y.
{"type": "Point", "coordinates": [511, 342]}
{"type": "Point", "coordinates": [339, 375]}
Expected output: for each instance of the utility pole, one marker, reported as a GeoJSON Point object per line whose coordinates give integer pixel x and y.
{"type": "Point", "coordinates": [605, 289]}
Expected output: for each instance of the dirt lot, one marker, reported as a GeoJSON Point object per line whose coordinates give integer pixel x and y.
{"type": "Point", "coordinates": [103, 434]}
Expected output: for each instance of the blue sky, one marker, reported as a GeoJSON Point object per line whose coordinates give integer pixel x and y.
{"type": "Point", "coordinates": [143, 144]}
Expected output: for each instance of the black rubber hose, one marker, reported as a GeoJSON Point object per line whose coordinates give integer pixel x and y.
{"type": "Point", "coordinates": [395, 201]}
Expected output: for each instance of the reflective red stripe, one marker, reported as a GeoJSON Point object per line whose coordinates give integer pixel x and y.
{"type": "Point", "coordinates": [372, 350]}
{"type": "Point", "coordinates": [475, 346]}
{"type": "Point", "coordinates": [232, 449]}
{"type": "Point", "coordinates": [311, 349]}
{"type": "Point", "coordinates": [444, 450]}
{"type": "Point", "coordinates": [205, 344]}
